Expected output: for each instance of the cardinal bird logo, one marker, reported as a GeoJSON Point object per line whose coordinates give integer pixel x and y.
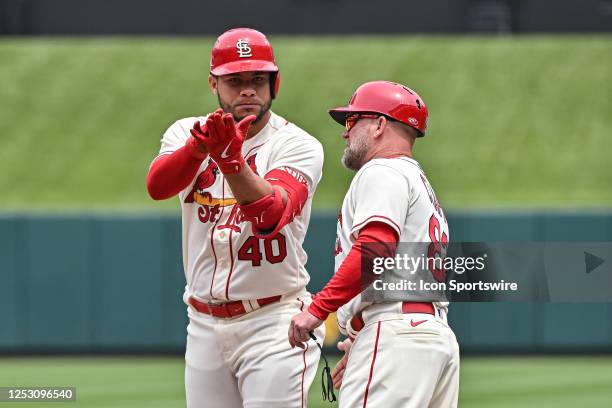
{"type": "Point", "coordinates": [205, 180]}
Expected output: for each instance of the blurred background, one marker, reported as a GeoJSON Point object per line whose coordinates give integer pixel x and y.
{"type": "Point", "coordinates": [518, 149]}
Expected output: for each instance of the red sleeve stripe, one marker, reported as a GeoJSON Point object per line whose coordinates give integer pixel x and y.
{"type": "Point", "coordinates": [384, 219]}
{"type": "Point", "coordinates": [295, 174]}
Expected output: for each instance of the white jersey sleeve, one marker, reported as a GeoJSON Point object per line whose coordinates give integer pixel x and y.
{"type": "Point", "coordinates": [176, 135]}
{"type": "Point", "coordinates": [381, 194]}
{"type": "Point", "coordinates": [300, 152]}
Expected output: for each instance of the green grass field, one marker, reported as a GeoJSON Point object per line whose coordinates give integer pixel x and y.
{"type": "Point", "coordinates": [514, 122]}
{"type": "Point", "coordinates": [136, 382]}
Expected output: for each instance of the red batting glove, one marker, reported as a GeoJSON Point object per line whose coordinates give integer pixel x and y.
{"type": "Point", "coordinates": [224, 140]}
{"type": "Point", "coordinates": [195, 144]}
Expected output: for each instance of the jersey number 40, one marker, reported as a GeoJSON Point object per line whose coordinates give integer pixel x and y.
{"type": "Point", "coordinates": [275, 249]}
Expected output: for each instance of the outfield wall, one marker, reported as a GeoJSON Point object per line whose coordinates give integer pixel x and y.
{"type": "Point", "coordinates": [110, 283]}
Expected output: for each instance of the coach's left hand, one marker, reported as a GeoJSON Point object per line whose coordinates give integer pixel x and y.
{"type": "Point", "coordinates": [301, 326]}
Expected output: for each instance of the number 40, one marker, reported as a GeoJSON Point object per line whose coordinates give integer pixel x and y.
{"type": "Point", "coordinates": [251, 250]}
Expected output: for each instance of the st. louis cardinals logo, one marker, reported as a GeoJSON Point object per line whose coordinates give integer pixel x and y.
{"type": "Point", "coordinates": [243, 49]}
{"type": "Point", "coordinates": [210, 206]}
{"type": "Point", "coordinates": [205, 180]}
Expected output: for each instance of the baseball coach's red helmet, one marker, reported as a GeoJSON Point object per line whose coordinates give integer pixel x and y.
{"type": "Point", "coordinates": [241, 50]}
{"type": "Point", "coordinates": [390, 99]}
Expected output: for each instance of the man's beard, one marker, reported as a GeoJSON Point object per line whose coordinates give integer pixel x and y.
{"type": "Point", "coordinates": [355, 153]}
{"type": "Point", "coordinates": [227, 108]}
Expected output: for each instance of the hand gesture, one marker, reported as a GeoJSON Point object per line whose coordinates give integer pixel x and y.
{"type": "Point", "coordinates": [224, 140]}
{"type": "Point", "coordinates": [195, 144]}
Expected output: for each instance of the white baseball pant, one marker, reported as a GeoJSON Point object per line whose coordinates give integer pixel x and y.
{"type": "Point", "coordinates": [247, 361]}
{"type": "Point", "coordinates": [394, 363]}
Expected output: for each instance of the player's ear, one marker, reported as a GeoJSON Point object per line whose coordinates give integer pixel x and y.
{"type": "Point", "coordinates": [212, 82]}
{"type": "Point", "coordinates": [381, 125]}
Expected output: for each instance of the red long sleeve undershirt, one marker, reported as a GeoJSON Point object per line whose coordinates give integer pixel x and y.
{"type": "Point", "coordinates": [347, 282]}
{"type": "Point", "coordinates": [171, 173]}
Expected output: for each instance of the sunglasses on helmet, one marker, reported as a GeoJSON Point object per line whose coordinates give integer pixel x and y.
{"type": "Point", "coordinates": [351, 120]}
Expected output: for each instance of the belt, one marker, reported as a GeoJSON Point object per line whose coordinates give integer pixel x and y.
{"type": "Point", "coordinates": [418, 307]}
{"type": "Point", "coordinates": [357, 322]}
{"type": "Point", "coordinates": [229, 309]}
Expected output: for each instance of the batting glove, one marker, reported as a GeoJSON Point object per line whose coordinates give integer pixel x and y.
{"type": "Point", "coordinates": [195, 144]}
{"type": "Point", "coordinates": [224, 140]}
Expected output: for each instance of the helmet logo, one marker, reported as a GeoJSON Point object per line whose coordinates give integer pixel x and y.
{"type": "Point", "coordinates": [243, 49]}
{"type": "Point", "coordinates": [413, 121]}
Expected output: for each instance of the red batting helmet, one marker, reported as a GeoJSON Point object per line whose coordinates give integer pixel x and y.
{"type": "Point", "coordinates": [389, 99]}
{"type": "Point", "coordinates": [241, 50]}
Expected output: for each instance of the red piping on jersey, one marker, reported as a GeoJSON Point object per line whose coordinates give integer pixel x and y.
{"type": "Point", "coordinates": [212, 245]}
{"type": "Point", "coordinates": [212, 233]}
{"type": "Point", "coordinates": [304, 373]}
{"type": "Point", "coordinates": [231, 249]}
{"type": "Point", "coordinates": [365, 397]}
{"type": "Point", "coordinates": [230, 238]}
{"type": "Point", "coordinates": [399, 230]}
{"type": "Point", "coordinates": [251, 149]}
{"type": "Point", "coordinates": [231, 265]}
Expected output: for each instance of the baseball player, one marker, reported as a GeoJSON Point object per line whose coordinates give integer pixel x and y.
{"type": "Point", "coordinates": [245, 178]}
{"type": "Point", "coordinates": [398, 354]}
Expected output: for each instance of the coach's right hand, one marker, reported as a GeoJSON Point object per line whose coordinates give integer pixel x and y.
{"type": "Point", "coordinates": [338, 371]}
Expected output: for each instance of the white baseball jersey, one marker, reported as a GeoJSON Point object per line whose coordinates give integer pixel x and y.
{"type": "Point", "coordinates": [221, 258]}
{"type": "Point", "coordinates": [396, 192]}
